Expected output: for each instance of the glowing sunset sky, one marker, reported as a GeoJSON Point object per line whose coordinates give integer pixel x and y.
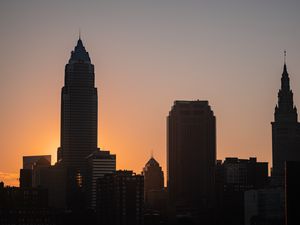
{"type": "Point", "coordinates": [146, 55]}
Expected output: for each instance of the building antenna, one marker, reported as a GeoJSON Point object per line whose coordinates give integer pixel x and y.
{"type": "Point", "coordinates": [284, 56]}
{"type": "Point", "coordinates": [79, 33]}
{"type": "Point", "coordinates": [151, 153]}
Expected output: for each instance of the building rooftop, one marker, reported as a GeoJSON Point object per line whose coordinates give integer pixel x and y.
{"type": "Point", "coordinates": [79, 54]}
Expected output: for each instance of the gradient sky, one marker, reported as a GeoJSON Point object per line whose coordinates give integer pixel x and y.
{"type": "Point", "coordinates": [146, 55]}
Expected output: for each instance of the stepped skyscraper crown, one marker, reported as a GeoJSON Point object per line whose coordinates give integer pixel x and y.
{"type": "Point", "coordinates": [79, 54]}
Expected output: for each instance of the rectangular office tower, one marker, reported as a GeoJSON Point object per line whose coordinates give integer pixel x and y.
{"type": "Point", "coordinates": [191, 157]}
{"type": "Point", "coordinates": [99, 164]}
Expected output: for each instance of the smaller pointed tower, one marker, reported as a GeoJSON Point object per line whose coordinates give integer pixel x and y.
{"type": "Point", "coordinates": [153, 177]}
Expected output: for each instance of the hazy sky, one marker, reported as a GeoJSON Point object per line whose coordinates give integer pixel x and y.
{"type": "Point", "coordinates": [146, 55]}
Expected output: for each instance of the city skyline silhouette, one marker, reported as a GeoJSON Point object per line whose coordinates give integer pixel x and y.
{"type": "Point", "coordinates": [149, 112]}
{"type": "Point", "coordinates": [230, 57]}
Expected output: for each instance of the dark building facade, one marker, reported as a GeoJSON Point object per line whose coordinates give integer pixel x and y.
{"type": "Point", "coordinates": [191, 158]}
{"type": "Point", "coordinates": [285, 129]}
{"type": "Point", "coordinates": [120, 198]}
{"type": "Point", "coordinates": [244, 174]}
{"type": "Point", "coordinates": [32, 160]}
{"type": "Point", "coordinates": [99, 164]}
{"type": "Point", "coordinates": [234, 176]}
{"type": "Point", "coordinates": [24, 206]}
{"type": "Point", "coordinates": [52, 178]}
{"type": "Point", "coordinates": [292, 194]}
{"type": "Point", "coordinates": [264, 206]}
{"type": "Point", "coordinates": [25, 178]}
{"type": "Point", "coordinates": [29, 162]}
{"type": "Point", "coordinates": [37, 172]}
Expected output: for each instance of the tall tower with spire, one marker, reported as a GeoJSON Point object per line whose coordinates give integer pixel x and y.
{"type": "Point", "coordinates": [285, 128]}
{"type": "Point", "coordinates": [79, 111]}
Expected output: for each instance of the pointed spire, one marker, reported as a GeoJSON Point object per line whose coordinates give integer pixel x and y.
{"type": "Point", "coordinates": [285, 109]}
{"type": "Point", "coordinates": [79, 54]}
{"type": "Point", "coordinates": [79, 44]}
{"type": "Point", "coordinates": [284, 66]}
{"type": "Point", "coordinates": [152, 162]}
{"type": "Point", "coordinates": [285, 80]}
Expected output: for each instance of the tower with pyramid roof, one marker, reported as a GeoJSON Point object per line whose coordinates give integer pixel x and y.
{"type": "Point", "coordinates": [285, 129]}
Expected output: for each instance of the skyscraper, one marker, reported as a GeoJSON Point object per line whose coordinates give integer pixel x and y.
{"type": "Point", "coordinates": [191, 158]}
{"type": "Point", "coordinates": [79, 110]}
{"type": "Point", "coordinates": [285, 129]}
{"type": "Point", "coordinates": [79, 125]}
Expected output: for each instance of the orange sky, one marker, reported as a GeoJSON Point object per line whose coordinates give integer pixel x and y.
{"type": "Point", "coordinates": [146, 55]}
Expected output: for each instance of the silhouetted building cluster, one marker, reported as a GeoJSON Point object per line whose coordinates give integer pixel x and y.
{"type": "Point", "coordinates": [233, 177]}
{"type": "Point", "coordinates": [37, 172]}
{"type": "Point", "coordinates": [71, 182]}
{"type": "Point", "coordinates": [83, 187]}
{"type": "Point", "coordinates": [79, 122]}
{"type": "Point", "coordinates": [264, 206]}
{"type": "Point", "coordinates": [269, 205]}
{"type": "Point", "coordinates": [120, 198]}
{"type": "Point", "coordinates": [25, 205]}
